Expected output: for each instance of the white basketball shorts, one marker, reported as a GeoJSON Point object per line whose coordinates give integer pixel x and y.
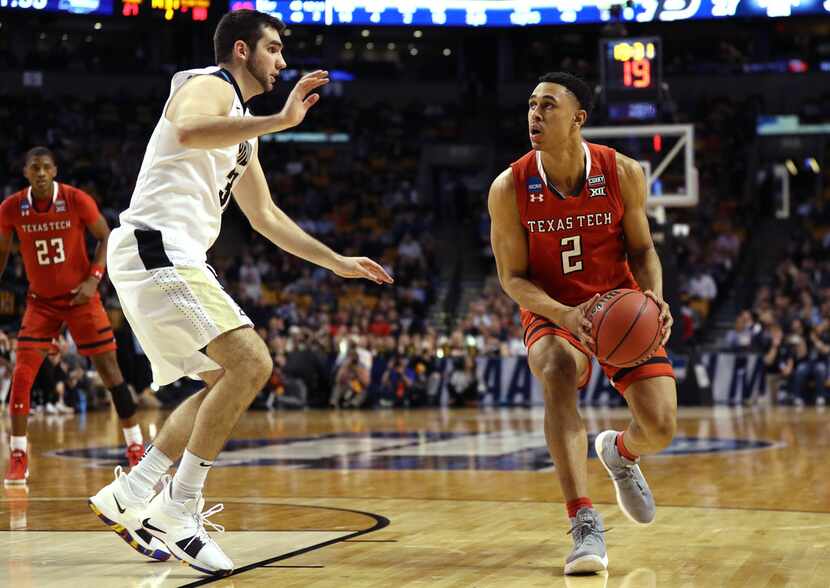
{"type": "Point", "coordinates": [174, 310]}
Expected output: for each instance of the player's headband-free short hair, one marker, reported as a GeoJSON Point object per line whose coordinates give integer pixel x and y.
{"type": "Point", "coordinates": [576, 86]}
{"type": "Point", "coordinates": [39, 151]}
{"type": "Point", "coordinates": [241, 25]}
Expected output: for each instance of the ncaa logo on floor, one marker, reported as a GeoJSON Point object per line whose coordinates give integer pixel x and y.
{"type": "Point", "coordinates": [405, 451]}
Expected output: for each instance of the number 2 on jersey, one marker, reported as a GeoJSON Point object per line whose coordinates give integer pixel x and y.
{"type": "Point", "coordinates": [42, 247]}
{"type": "Point", "coordinates": [570, 261]}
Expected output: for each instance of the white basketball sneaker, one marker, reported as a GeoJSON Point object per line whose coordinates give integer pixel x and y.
{"type": "Point", "coordinates": [119, 509]}
{"type": "Point", "coordinates": [181, 525]}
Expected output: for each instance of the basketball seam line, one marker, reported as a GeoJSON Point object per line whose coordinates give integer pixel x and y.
{"type": "Point", "coordinates": [604, 314]}
{"type": "Point", "coordinates": [631, 326]}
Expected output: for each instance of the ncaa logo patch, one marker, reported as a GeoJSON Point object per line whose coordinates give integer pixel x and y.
{"type": "Point", "coordinates": [534, 184]}
{"type": "Point", "coordinates": [534, 189]}
{"type": "Point", "coordinates": [596, 181]}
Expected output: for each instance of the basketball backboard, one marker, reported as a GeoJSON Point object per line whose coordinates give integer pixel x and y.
{"type": "Point", "coordinates": [666, 153]}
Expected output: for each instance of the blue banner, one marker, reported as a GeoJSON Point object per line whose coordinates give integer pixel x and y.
{"type": "Point", "coordinates": [507, 381]}
{"type": "Point", "coordinates": [508, 13]}
{"type": "Point", "coordinates": [103, 7]}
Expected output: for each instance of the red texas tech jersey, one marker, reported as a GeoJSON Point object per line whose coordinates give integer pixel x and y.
{"type": "Point", "coordinates": [576, 244]}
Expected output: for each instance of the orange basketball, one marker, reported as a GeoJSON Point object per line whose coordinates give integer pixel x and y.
{"type": "Point", "coordinates": [625, 327]}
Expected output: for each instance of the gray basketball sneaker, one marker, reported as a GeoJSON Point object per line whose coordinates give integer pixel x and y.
{"type": "Point", "coordinates": [588, 554]}
{"type": "Point", "coordinates": [633, 494]}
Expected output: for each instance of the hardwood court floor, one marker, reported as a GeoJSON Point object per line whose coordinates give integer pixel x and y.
{"type": "Point", "coordinates": [442, 498]}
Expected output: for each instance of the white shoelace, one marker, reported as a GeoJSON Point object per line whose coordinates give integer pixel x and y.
{"type": "Point", "coordinates": [202, 517]}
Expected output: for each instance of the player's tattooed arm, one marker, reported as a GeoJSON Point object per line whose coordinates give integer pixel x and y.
{"type": "Point", "coordinates": [254, 198]}
{"type": "Point", "coordinates": [199, 111]}
{"type": "Point", "coordinates": [642, 256]}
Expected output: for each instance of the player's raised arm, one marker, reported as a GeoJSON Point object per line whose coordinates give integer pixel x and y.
{"type": "Point", "coordinates": [510, 247]}
{"type": "Point", "coordinates": [199, 112]}
{"type": "Point", "coordinates": [642, 256]}
{"type": "Point", "coordinates": [266, 218]}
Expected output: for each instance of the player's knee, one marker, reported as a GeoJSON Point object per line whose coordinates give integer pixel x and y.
{"type": "Point", "coordinates": [663, 428]}
{"type": "Point", "coordinates": [27, 365]}
{"type": "Point", "coordinates": [558, 369]}
{"type": "Point", "coordinates": [25, 372]}
{"type": "Point", "coordinates": [262, 367]}
{"type": "Point", "coordinates": [257, 367]}
{"type": "Point", "coordinates": [124, 401]}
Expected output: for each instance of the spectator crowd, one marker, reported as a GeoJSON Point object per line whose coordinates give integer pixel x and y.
{"type": "Point", "coordinates": [353, 343]}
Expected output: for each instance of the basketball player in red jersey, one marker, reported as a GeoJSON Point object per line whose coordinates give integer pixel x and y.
{"type": "Point", "coordinates": [569, 223]}
{"type": "Point", "coordinates": [49, 219]}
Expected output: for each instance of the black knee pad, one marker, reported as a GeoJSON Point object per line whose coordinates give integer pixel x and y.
{"type": "Point", "coordinates": [122, 398]}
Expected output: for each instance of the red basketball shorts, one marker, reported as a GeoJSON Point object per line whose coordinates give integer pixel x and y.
{"type": "Point", "coordinates": [535, 327]}
{"type": "Point", "coordinates": [88, 323]}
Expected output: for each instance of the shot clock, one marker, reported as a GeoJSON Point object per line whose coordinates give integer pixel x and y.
{"type": "Point", "coordinates": [631, 66]}
{"type": "Point", "coordinates": [631, 74]}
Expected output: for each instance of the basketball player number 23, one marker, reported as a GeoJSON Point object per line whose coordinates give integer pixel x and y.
{"type": "Point", "coordinates": [42, 246]}
{"type": "Point", "coordinates": [571, 250]}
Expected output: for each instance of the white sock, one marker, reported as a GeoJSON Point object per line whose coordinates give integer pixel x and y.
{"type": "Point", "coordinates": [133, 435]}
{"type": "Point", "coordinates": [143, 477]}
{"type": "Point", "coordinates": [18, 443]}
{"type": "Point", "coordinates": [190, 477]}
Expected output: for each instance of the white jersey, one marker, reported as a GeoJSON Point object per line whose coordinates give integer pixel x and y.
{"type": "Point", "coordinates": [182, 192]}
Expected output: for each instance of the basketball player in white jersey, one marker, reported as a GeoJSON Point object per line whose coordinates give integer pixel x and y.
{"type": "Point", "coordinates": [202, 152]}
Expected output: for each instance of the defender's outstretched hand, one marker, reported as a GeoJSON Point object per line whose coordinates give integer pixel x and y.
{"type": "Point", "coordinates": [299, 100]}
{"type": "Point", "coordinates": [362, 267]}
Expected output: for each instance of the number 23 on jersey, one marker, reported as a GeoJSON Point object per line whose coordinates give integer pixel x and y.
{"type": "Point", "coordinates": [50, 251]}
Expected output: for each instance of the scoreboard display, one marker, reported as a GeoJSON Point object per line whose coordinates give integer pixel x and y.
{"type": "Point", "coordinates": [631, 67]}
{"type": "Point", "coordinates": [196, 9]}
{"type": "Point", "coordinates": [630, 77]}
{"type": "Point", "coordinates": [102, 7]}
